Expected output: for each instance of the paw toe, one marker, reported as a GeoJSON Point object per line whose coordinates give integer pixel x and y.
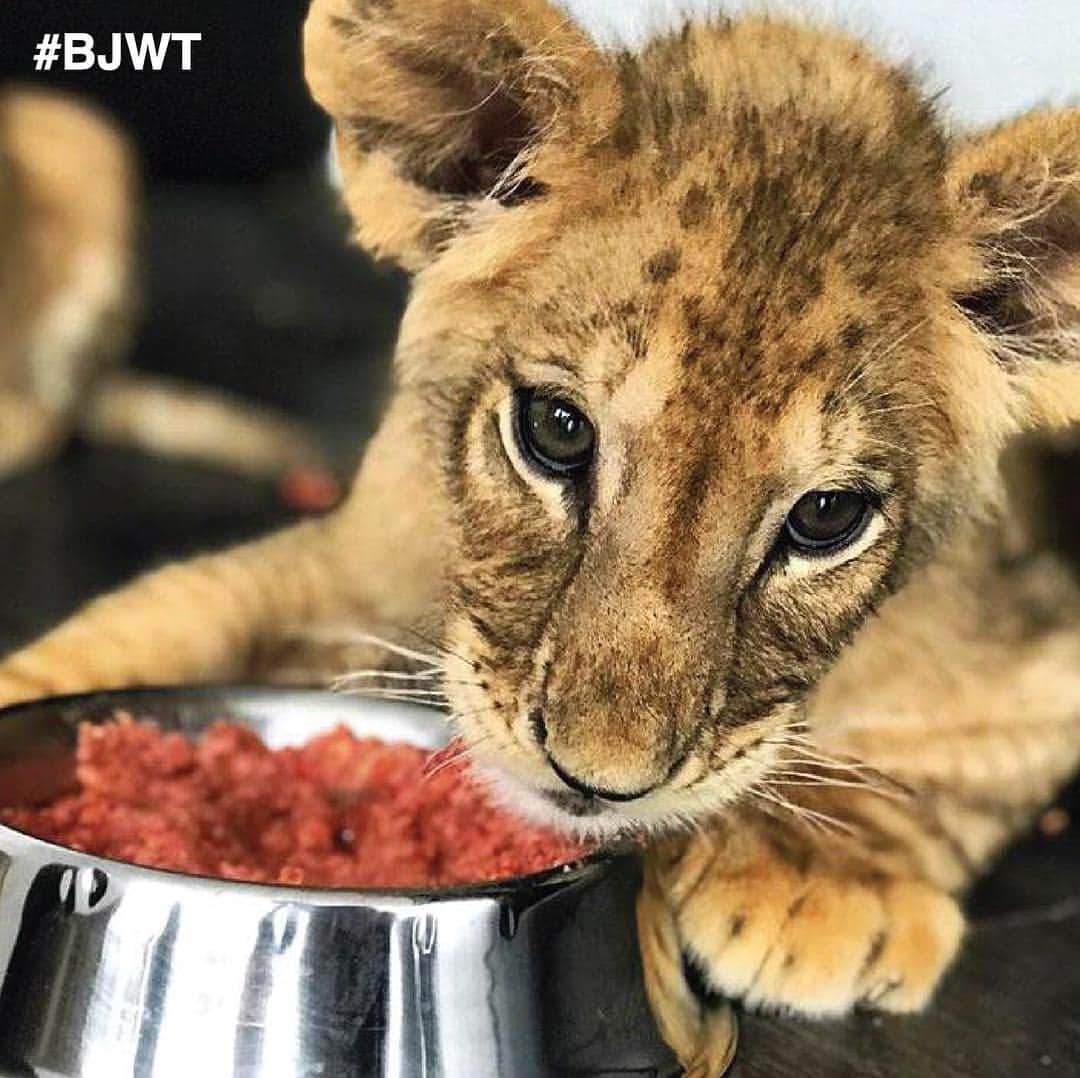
{"type": "Point", "coordinates": [814, 965]}
{"type": "Point", "coordinates": [924, 931]}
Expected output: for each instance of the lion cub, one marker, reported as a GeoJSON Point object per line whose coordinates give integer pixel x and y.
{"type": "Point", "coordinates": [68, 221]}
{"type": "Point", "coordinates": [67, 184]}
{"type": "Point", "coordinates": [693, 468]}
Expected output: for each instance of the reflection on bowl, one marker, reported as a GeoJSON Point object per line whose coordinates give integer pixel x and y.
{"type": "Point", "coordinates": [109, 969]}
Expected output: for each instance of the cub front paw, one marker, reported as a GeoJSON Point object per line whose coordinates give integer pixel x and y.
{"type": "Point", "coordinates": [784, 932]}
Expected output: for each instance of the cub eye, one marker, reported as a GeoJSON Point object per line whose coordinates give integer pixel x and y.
{"type": "Point", "coordinates": [554, 434]}
{"type": "Point", "coordinates": [825, 520]}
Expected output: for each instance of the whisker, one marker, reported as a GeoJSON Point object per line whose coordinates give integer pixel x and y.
{"type": "Point", "coordinates": [802, 754]}
{"type": "Point", "coordinates": [464, 751]}
{"type": "Point", "coordinates": [376, 679]}
{"type": "Point", "coordinates": [390, 675]}
{"type": "Point", "coordinates": [460, 752]}
{"type": "Point", "coordinates": [414, 695]}
{"type": "Point", "coordinates": [800, 751]}
{"type": "Point", "coordinates": [796, 778]}
{"type": "Point", "coordinates": [427, 776]}
{"type": "Point", "coordinates": [809, 773]}
{"type": "Point", "coordinates": [441, 648]}
{"type": "Point", "coordinates": [804, 738]}
{"type": "Point", "coordinates": [812, 817]}
{"type": "Point", "coordinates": [399, 691]}
{"type": "Point", "coordinates": [350, 636]}
{"type": "Point", "coordinates": [812, 751]}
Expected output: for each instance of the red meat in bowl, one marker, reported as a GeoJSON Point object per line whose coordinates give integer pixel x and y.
{"type": "Point", "coordinates": [338, 811]}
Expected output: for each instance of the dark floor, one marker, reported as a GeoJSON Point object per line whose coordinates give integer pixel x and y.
{"type": "Point", "coordinates": [277, 309]}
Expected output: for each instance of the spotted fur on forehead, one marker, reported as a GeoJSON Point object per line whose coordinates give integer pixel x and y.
{"type": "Point", "coordinates": [784, 206]}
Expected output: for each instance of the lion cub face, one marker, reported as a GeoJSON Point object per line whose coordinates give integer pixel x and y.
{"type": "Point", "coordinates": [706, 337]}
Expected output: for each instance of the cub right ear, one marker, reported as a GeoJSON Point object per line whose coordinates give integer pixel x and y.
{"type": "Point", "coordinates": [440, 104]}
{"type": "Point", "coordinates": [1017, 188]}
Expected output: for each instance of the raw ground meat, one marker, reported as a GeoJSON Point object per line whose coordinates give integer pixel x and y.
{"type": "Point", "coordinates": [339, 811]}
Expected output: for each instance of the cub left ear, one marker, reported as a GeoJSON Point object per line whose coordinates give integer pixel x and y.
{"type": "Point", "coordinates": [1017, 188]}
{"type": "Point", "coordinates": [440, 106]}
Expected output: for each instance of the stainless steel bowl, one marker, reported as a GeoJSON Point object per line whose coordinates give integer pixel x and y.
{"type": "Point", "coordinates": [108, 970]}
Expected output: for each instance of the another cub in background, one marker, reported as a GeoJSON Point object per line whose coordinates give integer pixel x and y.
{"type": "Point", "coordinates": [69, 297]}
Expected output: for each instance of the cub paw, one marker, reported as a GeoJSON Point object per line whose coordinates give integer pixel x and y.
{"type": "Point", "coordinates": [783, 935]}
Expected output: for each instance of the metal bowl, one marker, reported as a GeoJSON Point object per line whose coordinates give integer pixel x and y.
{"type": "Point", "coordinates": [109, 970]}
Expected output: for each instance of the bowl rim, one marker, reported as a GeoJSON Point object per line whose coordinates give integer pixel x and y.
{"type": "Point", "coordinates": [548, 879]}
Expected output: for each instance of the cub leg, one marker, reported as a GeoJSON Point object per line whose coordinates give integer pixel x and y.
{"type": "Point", "coordinates": [376, 561]}
{"type": "Point", "coordinates": [198, 620]}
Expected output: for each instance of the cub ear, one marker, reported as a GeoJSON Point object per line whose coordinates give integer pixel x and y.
{"type": "Point", "coordinates": [439, 104]}
{"type": "Point", "coordinates": [1018, 191]}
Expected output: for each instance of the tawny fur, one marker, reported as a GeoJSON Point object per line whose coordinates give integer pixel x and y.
{"type": "Point", "coordinates": [66, 223]}
{"type": "Point", "coordinates": [68, 218]}
{"type": "Point", "coordinates": [754, 258]}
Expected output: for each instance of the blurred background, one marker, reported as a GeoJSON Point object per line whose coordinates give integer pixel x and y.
{"type": "Point", "coordinates": [245, 281]}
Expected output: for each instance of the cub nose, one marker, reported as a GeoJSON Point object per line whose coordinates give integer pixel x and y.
{"type": "Point", "coordinates": [591, 792]}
